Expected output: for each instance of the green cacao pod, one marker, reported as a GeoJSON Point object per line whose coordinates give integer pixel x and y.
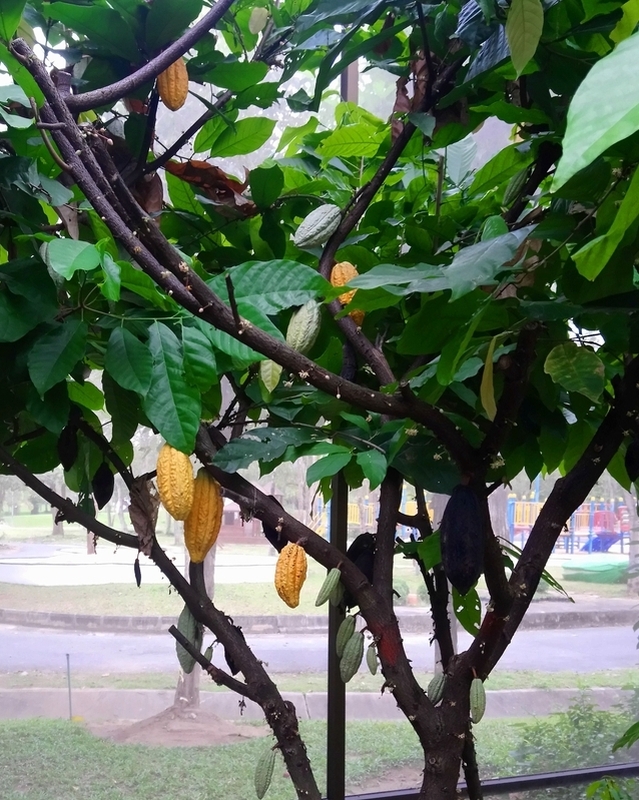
{"type": "Point", "coordinates": [462, 539]}
{"type": "Point", "coordinates": [371, 659]}
{"type": "Point", "coordinates": [328, 587]}
{"type": "Point", "coordinates": [190, 628]}
{"type": "Point", "coordinates": [264, 772]}
{"type": "Point", "coordinates": [514, 186]}
{"type": "Point", "coordinates": [352, 656]}
{"type": "Point", "coordinates": [318, 227]}
{"type": "Point", "coordinates": [304, 326]}
{"type": "Point", "coordinates": [477, 700]}
{"type": "Point", "coordinates": [435, 690]}
{"type": "Point", "coordinates": [344, 633]}
{"type": "Point", "coordinates": [337, 594]}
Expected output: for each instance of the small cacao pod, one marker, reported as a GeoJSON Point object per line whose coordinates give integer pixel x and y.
{"type": "Point", "coordinates": [68, 446]}
{"type": "Point", "coordinates": [173, 85]}
{"type": "Point", "coordinates": [631, 459]}
{"type": "Point", "coordinates": [341, 274]}
{"type": "Point", "coordinates": [202, 526]}
{"type": "Point", "coordinates": [257, 20]}
{"type": "Point", "coordinates": [514, 186]}
{"type": "Point", "coordinates": [318, 227]}
{"type": "Point", "coordinates": [290, 573]}
{"type": "Point", "coordinates": [477, 700]}
{"type": "Point", "coordinates": [337, 595]}
{"type": "Point", "coordinates": [435, 690]}
{"type": "Point", "coordinates": [344, 633]}
{"type": "Point", "coordinates": [328, 587]}
{"type": "Point", "coordinates": [371, 659]}
{"type": "Point", "coordinates": [102, 485]}
{"type": "Point", "coordinates": [190, 628]}
{"type": "Point", "coordinates": [174, 477]}
{"type": "Point", "coordinates": [304, 326]}
{"type": "Point", "coordinates": [462, 539]}
{"type": "Point", "coordinates": [264, 772]}
{"type": "Point", "coordinates": [352, 656]}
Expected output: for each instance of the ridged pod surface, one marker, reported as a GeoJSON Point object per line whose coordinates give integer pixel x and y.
{"type": "Point", "coordinates": [341, 274]}
{"type": "Point", "coordinates": [290, 574]}
{"type": "Point", "coordinates": [264, 772]}
{"type": "Point", "coordinates": [304, 326]}
{"type": "Point", "coordinates": [191, 630]}
{"type": "Point", "coordinates": [318, 226]}
{"type": "Point", "coordinates": [477, 700]}
{"type": "Point", "coordinates": [328, 587]}
{"type": "Point", "coordinates": [173, 85]}
{"type": "Point", "coordinates": [435, 690]}
{"type": "Point", "coordinates": [352, 656]}
{"type": "Point", "coordinates": [371, 659]}
{"type": "Point", "coordinates": [202, 526]}
{"type": "Point", "coordinates": [175, 481]}
{"type": "Point", "coordinates": [344, 633]}
{"type": "Point", "coordinates": [462, 539]}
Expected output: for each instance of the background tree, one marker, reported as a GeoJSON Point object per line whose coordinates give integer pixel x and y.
{"type": "Point", "coordinates": [493, 328]}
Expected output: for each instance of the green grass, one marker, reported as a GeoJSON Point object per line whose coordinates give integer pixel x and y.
{"type": "Point", "coordinates": [50, 760]}
{"type": "Point", "coordinates": [316, 681]}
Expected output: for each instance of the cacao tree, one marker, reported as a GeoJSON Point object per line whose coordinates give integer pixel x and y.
{"type": "Point", "coordinates": [433, 327]}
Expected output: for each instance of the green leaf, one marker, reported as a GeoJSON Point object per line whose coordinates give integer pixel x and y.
{"type": "Point", "coordinates": [261, 444]}
{"type": "Point", "coordinates": [54, 355]}
{"type": "Point", "coordinates": [577, 369]}
{"type": "Point", "coordinates": [128, 361]}
{"type": "Point", "coordinates": [496, 172]}
{"type": "Point", "coordinates": [237, 75]}
{"type": "Point", "coordinates": [111, 286]}
{"type": "Point", "coordinates": [67, 256]}
{"type": "Point", "coordinates": [423, 122]}
{"type": "Point", "coordinates": [494, 226]}
{"type": "Point", "coordinates": [199, 359]}
{"type": "Point", "coordinates": [21, 75]}
{"type": "Point", "coordinates": [629, 737]}
{"type": "Point", "coordinates": [603, 111]}
{"type": "Point", "coordinates": [266, 185]}
{"type": "Point", "coordinates": [487, 388]}
{"type": "Point", "coordinates": [374, 466]}
{"type": "Point", "coordinates": [329, 465]}
{"type": "Point", "coordinates": [270, 374]}
{"type": "Point", "coordinates": [16, 317]}
{"type": "Point", "coordinates": [167, 19]}
{"type": "Point", "coordinates": [86, 394]}
{"type": "Point", "coordinates": [103, 26]}
{"type": "Point", "coordinates": [524, 25]}
{"type": "Point", "coordinates": [352, 140]}
{"type": "Point", "coordinates": [14, 120]}
{"type": "Point", "coordinates": [171, 405]}
{"type": "Point", "coordinates": [594, 256]}
{"type": "Point", "coordinates": [10, 16]}
{"type": "Point", "coordinates": [244, 137]}
{"type": "Point", "coordinates": [467, 609]}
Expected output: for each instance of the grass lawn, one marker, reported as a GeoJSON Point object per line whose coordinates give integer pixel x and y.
{"type": "Point", "coordinates": [50, 760]}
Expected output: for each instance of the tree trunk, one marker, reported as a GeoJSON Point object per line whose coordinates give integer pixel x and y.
{"type": "Point", "coordinates": [633, 558]}
{"type": "Point", "coordinates": [187, 691]}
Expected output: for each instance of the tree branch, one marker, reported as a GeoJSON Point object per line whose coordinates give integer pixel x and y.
{"type": "Point", "coordinates": [389, 502]}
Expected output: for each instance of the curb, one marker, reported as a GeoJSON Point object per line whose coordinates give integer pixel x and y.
{"type": "Point", "coordinates": [411, 621]}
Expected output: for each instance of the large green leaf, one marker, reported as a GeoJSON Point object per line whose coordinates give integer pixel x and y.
{"type": "Point", "coordinates": [352, 140]}
{"type": "Point", "coordinates": [270, 286]}
{"type": "Point", "coordinates": [171, 404]}
{"type": "Point", "coordinates": [263, 445]}
{"type": "Point", "coordinates": [199, 359]}
{"type": "Point", "coordinates": [167, 19]}
{"type": "Point", "coordinates": [16, 317]}
{"type": "Point", "coordinates": [54, 355]}
{"type": "Point", "coordinates": [467, 608]}
{"type": "Point", "coordinates": [244, 137]}
{"type": "Point", "coordinates": [128, 361]}
{"type": "Point", "coordinates": [577, 369]}
{"type": "Point", "coordinates": [594, 256]}
{"type": "Point", "coordinates": [374, 466]}
{"type": "Point", "coordinates": [266, 185]}
{"type": "Point", "coordinates": [237, 75]}
{"type": "Point", "coordinates": [524, 25]}
{"type": "Point", "coordinates": [102, 26]}
{"type": "Point", "coordinates": [329, 465]}
{"type": "Point", "coordinates": [66, 256]}
{"type": "Point", "coordinates": [603, 111]}
{"type": "Point", "coordinates": [10, 15]}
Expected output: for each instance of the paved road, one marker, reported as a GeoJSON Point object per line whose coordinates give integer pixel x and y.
{"type": "Point", "coordinates": [581, 650]}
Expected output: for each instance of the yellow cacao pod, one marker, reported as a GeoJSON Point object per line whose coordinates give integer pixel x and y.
{"type": "Point", "coordinates": [202, 526]}
{"type": "Point", "coordinates": [173, 85]}
{"type": "Point", "coordinates": [341, 274]}
{"type": "Point", "coordinates": [175, 481]}
{"type": "Point", "coordinates": [290, 574]}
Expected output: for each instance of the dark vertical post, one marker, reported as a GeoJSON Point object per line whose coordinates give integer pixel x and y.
{"type": "Point", "coordinates": [349, 83]}
{"type": "Point", "coordinates": [336, 702]}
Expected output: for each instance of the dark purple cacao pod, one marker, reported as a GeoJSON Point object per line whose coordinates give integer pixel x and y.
{"type": "Point", "coordinates": [102, 485]}
{"type": "Point", "coordinates": [68, 446]}
{"type": "Point", "coordinates": [462, 539]}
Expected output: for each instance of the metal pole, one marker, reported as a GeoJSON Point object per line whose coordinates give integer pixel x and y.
{"type": "Point", "coordinates": [336, 700]}
{"type": "Point", "coordinates": [69, 685]}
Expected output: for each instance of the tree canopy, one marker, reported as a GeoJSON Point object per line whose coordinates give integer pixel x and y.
{"type": "Point", "coordinates": [489, 327]}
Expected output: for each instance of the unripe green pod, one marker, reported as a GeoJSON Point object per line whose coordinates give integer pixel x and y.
{"type": "Point", "coordinates": [435, 690]}
{"type": "Point", "coordinates": [192, 630]}
{"type": "Point", "coordinates": [337, 594]}
{"type": "Point", "coordinates": [264, 772]}
{"type": "Point", "coordinates": [352, 656]}
{"type": "Point", "coordinates": [477, 700]}
{"type": "Point", "coordinates": [304, 326]}
{"type": "Point", "coordinates": [371, 659]}
{"type": "Point", "coordinates": [514, 186]}
{"type": "Point", "coordinates": [328, 587]}
{"type": "Point", "coordinates": [318, 227]}
{"type": "Point", "coordinates": [344, 633]}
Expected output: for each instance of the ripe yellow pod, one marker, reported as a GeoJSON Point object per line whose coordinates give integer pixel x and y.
{"type": "Point", "coordinates": [173, 85]}
{"type": "Point", "coordinates": [202, 526]}
{"type": "Point", "coordinates": [290, 573]}
{"type": "Point", "coordinates": [175, 481]}
{"type": "Point", "coordinates": [341, 274]}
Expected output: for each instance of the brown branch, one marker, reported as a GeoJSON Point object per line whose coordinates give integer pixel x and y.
{"type": "Point", "coordinates": [103, 445]}
{"type": "Point", "coordinates": [500, 591]}
{"type": "Point", "coordinates": [389, 502]}
{"type": "Point", "coordinates": [549, 153]}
